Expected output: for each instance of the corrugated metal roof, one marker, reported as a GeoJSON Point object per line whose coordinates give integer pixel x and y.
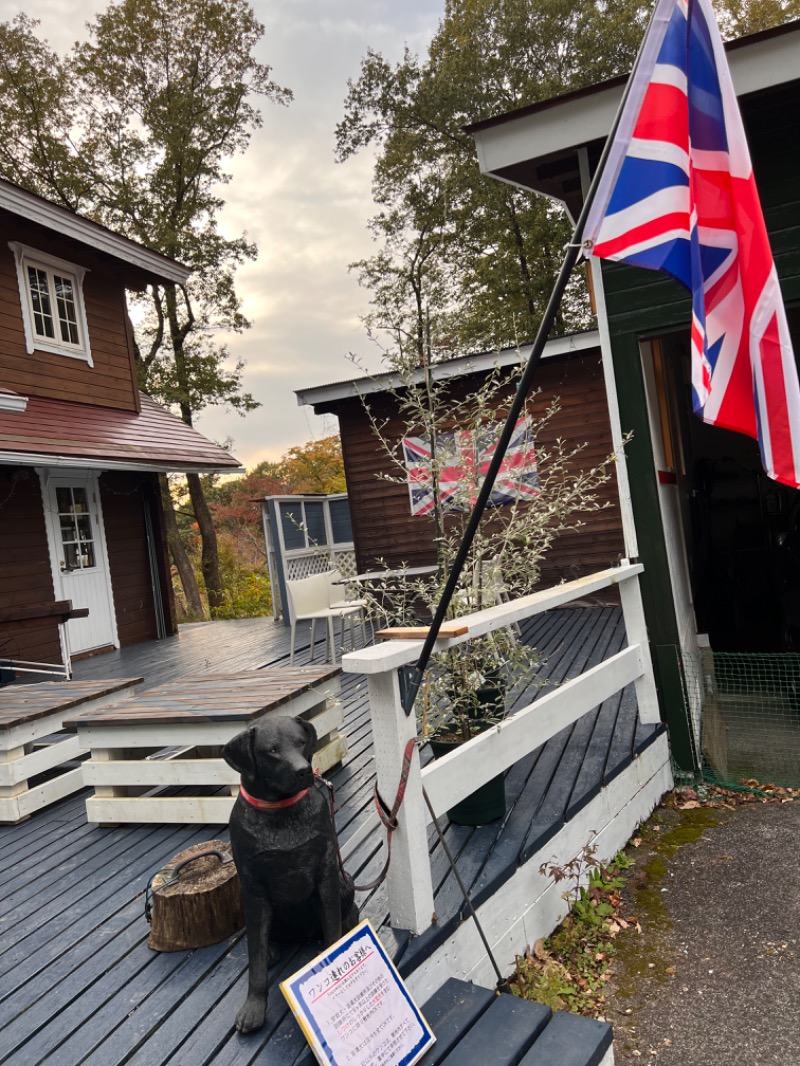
{"type": "Point", "coordinates": [53, 433]}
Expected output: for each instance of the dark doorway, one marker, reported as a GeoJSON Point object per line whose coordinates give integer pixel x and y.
{"type": "Point", "coordinates": [742, 530]}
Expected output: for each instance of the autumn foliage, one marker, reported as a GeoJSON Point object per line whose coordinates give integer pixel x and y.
{"type": "Point", "coordinates": [235, 503]}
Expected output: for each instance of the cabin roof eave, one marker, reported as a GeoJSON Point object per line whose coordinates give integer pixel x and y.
{"type": "Point", "coordinates": [324, 395]}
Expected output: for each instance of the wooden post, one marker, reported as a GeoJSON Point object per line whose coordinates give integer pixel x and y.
{"type": "Point", "coordinates": [595, 277]}
{"type": "Point", "coordinates": [636, 629]}
{"type": "Point", "coordinates": [409, 879]}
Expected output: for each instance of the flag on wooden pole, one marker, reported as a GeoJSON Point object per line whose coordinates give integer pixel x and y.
{"type": "Point", "coordinates": [678, 194]}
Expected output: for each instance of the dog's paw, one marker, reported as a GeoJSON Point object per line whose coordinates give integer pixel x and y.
{"type": "Point", "coordinates": [251, 1014]}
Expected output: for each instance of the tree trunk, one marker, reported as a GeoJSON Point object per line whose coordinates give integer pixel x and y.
{"type": "Point", "coordinates": [210, 552]}
{"type": "Point", "coordinates": [202, 907]}
{"type": "Point", "coordinates": [179, 331]}
{"type": "Point", "coordinates": [194, 604]}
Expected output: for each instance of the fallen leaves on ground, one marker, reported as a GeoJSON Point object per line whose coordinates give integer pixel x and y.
{"type": "Point", "coordinates": [751, 790]}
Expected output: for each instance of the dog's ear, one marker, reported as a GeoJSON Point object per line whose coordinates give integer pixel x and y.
{"type": "Point", "coordinates": [311, 737]}
{"type": "Point", "coordinates": [239, 752]}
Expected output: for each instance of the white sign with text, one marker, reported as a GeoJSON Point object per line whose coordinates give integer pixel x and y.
{"type": "Point", "coordinates": [354, 1008]}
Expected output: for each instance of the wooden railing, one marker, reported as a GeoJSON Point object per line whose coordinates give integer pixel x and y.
{"type": "Point", "coordinates": [458, 774]}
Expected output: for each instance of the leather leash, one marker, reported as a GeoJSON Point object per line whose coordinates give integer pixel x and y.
{"type": "Point", "coordinates": [387, 815]}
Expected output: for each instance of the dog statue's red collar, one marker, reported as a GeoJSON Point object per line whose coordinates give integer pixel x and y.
{"type": "Point", "coordinates": [272, 805]}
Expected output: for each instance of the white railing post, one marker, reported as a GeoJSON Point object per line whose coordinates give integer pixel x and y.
{"type": "Point", "coordinates": [636, 630]}
{"type": "Point", "coordinates": [410, 884]}
{"type": "Point", "coordinates": [409, 879]}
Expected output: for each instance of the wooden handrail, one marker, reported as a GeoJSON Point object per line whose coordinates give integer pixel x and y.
{"type": "Point", "coordinates": [395, 653]}
{"type": "Point", "coordinates": [59, 609]}
{"type": "Point", "coordinates": [411, 897]}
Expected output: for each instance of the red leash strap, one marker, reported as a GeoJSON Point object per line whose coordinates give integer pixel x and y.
{"type": "Point", "coordinates": [387, 816]}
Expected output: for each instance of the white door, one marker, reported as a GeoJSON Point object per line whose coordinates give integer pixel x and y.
{"type": "Point", "coordinates": [80, 562]}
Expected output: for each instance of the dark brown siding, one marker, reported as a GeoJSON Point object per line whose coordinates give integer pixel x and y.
{"type": "Point", "coordinates": [109, 383]}
{"type": "Point", "coordinates": [25, 574]}
{"type": "Point", "coordinates": [124, 497]}
{"type": "Point", "coordinates": [383, 527]}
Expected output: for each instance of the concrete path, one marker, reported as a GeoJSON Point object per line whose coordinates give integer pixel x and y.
{"type": "Point", "coordinates": [714, 978]}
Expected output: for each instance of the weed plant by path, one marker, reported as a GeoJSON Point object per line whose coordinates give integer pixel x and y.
{"type": "Point", "coordinates": [703, 960]}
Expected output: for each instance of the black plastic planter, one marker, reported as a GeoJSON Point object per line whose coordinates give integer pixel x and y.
{"type": "Point", "coordinates": [487, 803]}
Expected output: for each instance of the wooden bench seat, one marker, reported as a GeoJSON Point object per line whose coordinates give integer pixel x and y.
{"type": "Point", "coordinates": [475, 1027]}
{"type": "Point", "coordinates": [135, 774]}
{"type": "Point", "coordinates": [30, 718]}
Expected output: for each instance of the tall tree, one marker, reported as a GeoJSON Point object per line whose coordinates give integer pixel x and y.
{"type": "Point", "coordinates": [464, 262]}
{"type": "Point", "coordinates": [136, 126]}
{"type": "Point", "coordinates": [316, 466]}
{"type": "Point", "coordinates": [739, 17]}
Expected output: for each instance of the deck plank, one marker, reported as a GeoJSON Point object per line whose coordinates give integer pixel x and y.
{"type": "Point", "coordinates": [451, 1012]}
{"type": "Point", "coordinates": [77, 981]}
{"type": "Point", "coordinates": [547, 797]}
{"type": "Point", "coordinates": [502, 1035]}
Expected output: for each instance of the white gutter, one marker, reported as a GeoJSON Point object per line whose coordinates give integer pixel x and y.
{"type": "Point", "coordinates": [25, 204]}
{"type": "Point", "coordinates": [12, 401]}
{"type": "Point", "coordinates": [587, 117]}
{"type": "Point", "coordinates": [78, 461]}
{"type": "Point", "coordinates": [445, 370]}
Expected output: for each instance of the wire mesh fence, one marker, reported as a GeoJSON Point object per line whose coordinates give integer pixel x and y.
{"type": "Point", "coordinates": [745, 713]}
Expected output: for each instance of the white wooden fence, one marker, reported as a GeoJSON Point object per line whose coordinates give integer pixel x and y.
{"type": "Point", "coordinates": [458, 774]}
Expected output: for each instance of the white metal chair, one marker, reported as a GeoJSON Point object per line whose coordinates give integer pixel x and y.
{"type": "Point", "coordinates": [309, 599]}
{"type": "Point", "coordinates": [339, 598]}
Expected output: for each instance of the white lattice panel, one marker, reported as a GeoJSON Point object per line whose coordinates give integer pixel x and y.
{"type": "Point", "coordinates": [299, 566]}
{"type": "Point", "coordinates": [346, 563]}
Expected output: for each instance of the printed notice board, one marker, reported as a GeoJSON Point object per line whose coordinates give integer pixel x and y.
{"type": "Point", "coordinates": [353, 1007]}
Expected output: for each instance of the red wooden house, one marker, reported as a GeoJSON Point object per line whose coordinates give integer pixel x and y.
{"type": "Point", "coordinates": [384, 530]}
{"type": "Point", "coordinates": [80, 448]}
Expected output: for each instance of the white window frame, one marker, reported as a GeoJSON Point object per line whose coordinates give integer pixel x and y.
{"type": "Point", "coordinates": [29, 257]}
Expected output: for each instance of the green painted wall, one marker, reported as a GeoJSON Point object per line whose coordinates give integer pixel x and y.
{"type": "Point", "coordinates": [643, 304]}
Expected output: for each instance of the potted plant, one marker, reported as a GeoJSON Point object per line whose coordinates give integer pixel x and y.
{"type": "Point", "coordinates": [466, 695]}
{"type": "Point", "coordinates": [448, 437]}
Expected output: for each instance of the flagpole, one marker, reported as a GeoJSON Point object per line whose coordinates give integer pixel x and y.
{"type": "Point", "coordinates": [410, 677]}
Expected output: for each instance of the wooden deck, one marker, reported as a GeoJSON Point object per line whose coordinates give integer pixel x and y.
{"type": "Point", "coordinates": [77, 981]}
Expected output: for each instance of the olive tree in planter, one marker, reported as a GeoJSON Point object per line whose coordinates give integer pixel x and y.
{"type": "Point", "coordinates": [448, 438]}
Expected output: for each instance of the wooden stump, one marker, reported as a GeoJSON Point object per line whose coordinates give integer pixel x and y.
{"type": "Point", "coordinates": [203, 906]}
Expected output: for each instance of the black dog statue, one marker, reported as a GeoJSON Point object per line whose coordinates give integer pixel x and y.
{"type": "Point", "coordinates": [285, 850]}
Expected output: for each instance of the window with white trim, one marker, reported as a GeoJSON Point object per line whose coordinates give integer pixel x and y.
{"type": "Point", "coordinates": [53, 311]}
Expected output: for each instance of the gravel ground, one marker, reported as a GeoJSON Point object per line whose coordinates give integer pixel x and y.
{"type": "Point", "coordinates": [714, 977]}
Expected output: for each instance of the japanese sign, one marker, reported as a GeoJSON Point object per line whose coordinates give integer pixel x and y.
{"type": "Point", "coordinates": [353, 1007]}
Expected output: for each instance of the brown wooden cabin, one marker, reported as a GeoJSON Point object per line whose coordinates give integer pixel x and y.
{"type": "Point", "coordinates": [80, 449]}
{"type": "Point", "coordinates": [384, 530]}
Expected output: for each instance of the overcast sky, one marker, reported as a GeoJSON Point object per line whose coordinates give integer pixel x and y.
{"type": "Point", "coordinates": [306, 213]}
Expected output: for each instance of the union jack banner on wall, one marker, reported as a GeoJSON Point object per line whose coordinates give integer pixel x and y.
{"type": "Point", "coordinates": [462, 459]}
{"type": "Point", "coordinates": [678, 194]}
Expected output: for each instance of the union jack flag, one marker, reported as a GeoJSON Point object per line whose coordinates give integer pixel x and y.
{"type": "Point", "coordinates": [462, 459]}
{"type": "Point", "coordinates": [678, 194]}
